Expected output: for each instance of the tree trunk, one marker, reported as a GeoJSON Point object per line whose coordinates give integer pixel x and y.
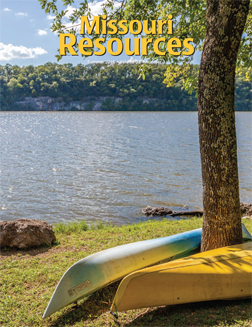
{"type": "Point", "coordinates": [217, 133]}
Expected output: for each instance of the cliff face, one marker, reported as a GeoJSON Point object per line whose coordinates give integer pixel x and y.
{"type": "Point", "coordinates": [86, 104]}
{"type": "Point", "coordinates": [57, 104]}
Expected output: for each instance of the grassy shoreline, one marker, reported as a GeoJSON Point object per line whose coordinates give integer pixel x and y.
{"type": "Point", "coordinates": [28, 279]}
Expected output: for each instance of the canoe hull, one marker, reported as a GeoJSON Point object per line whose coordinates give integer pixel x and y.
{"type": "Point", "coordinates": [223, 273]}
{"type": "Point", "coordinates": [102, 268]}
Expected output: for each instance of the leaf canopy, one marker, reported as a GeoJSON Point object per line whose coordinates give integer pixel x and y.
{"type": "Point", "coordinates": [189, 21]}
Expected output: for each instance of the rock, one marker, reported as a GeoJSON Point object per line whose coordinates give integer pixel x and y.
{"type": "Point", "coordinates": [156, 211]}
{"type": "Point", "coordinates": [246, 209]}
{"type": "Point", "coordinates": [25, 233]}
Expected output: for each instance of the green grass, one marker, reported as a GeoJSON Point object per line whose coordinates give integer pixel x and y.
{"type": "Point", "coordinates": [78, 227]}
{"type": "Point", "coordinates": [28, 279]}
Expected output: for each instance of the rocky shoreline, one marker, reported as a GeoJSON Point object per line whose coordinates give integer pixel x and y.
{"type": "Point", "coordinates": [27, 233]}
{"type": "Point", "coordinates": [246, 211]}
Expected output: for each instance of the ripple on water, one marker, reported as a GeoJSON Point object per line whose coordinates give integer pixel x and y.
{"type": "Point", "coordinates": [59, 166]}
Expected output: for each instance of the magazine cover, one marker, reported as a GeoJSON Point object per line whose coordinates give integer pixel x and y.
{"type": "Point", "coordinates": [126, 160]}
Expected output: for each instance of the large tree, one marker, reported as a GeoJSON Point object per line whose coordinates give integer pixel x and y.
{"type": "Point", "coordinates": [225, 25]}
{"type": "Point", "coordinates": [219, 29]}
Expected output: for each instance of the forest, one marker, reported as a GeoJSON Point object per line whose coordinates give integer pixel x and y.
{"type": "Point", "coordinates": [108, 80]}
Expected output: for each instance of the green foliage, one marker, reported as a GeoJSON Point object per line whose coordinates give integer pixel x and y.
{"type": "Point", "coordinates": [189, 21]}
{"type": "Point", "coordinates": [108, 80]}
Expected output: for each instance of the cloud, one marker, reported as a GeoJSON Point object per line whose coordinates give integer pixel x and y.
{"type": "Point", "coordinates": [21, 14]}
{"type": "Point", "coordinates": [96, 10]}
{"type": "Point", "coordinates": [41, 32]}
{"type": "Point", "coordinates": [50, 17]}
{"type": "Point", "coordinates": [10, 51]}
{"type": "Point", "coordinates": [96, 7]}
{"type": "Point", "coordinates": [7, 9]}
{"type": "Point", "coordinates": [70, 11]}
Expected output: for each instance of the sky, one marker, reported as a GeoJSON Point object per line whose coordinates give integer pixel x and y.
{"type": "Point", "coordinates": [26, 37]}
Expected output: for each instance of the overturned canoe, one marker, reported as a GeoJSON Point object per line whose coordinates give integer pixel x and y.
{"type": "Point", "coordinates": [102, 268]}
{"type": "Point", "coordinates": [223, 273]}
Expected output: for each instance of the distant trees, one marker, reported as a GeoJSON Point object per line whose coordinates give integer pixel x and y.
{"type": "Point", "coordinates": [73, 83]}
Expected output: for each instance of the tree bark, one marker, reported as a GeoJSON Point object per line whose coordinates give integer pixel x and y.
{"type": "Point", "coordinates": [221, 204]}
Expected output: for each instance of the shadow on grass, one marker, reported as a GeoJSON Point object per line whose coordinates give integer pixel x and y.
{"type": "Point", "coordinates": [210, 313]}
{"type": "Point", "coordinates": [33, 251]}
{"type": "Point", "coordinates": [98, 303]}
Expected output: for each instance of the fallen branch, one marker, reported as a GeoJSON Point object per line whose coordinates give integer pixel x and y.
{"type": "Point", "coordinates": [187, 213]}
{"type": "Point", "coordinates": [246, 210]}
{"type": "Point", "coordinates": [161, 211]}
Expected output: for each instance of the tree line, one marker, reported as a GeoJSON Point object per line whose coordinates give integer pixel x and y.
{"type": "Point", "coordinates": [105, 79]}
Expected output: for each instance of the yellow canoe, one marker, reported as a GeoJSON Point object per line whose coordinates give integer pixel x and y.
{"type": "Point", "coordinates": [223, 273]}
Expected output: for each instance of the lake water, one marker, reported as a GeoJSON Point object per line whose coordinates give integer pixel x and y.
{"type": "Point", "coordinates": [105, 166]}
